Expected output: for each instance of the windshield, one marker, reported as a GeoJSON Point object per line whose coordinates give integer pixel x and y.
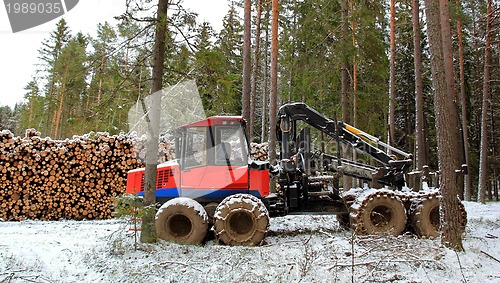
{"type": "Point", "coordinates": [220, 146]}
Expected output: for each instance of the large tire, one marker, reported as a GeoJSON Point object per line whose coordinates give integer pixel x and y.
{"type": "Point", "coordinates": [182, 220]}
{"type": "Point", "coordinates": [424, 217]}
{"type": "Point", "coordinates": [381, 212]}
{"type": "Point", "coordinates": [241, 220]}
{"type": "Point", "coordinates": [348, 198]}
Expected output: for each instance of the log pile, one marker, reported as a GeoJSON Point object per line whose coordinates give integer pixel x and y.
{"type": "Point", "coordinates": [77, 178]}
{"type": "Point", "coordinates": [259, 151]}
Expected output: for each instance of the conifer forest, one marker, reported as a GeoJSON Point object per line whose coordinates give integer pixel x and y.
{"type": "Point", "coordinates": [366, 62]}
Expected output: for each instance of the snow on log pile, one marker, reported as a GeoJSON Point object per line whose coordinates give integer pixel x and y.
{"type": "Point", "coordinates": [259, 151]}
{"type": "Point", "coordinates": [77, 178]}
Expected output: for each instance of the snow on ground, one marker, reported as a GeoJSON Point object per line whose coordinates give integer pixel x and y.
{"type": "Point", "coordinates": [308, 248]}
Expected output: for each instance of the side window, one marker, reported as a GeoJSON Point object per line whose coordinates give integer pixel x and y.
{"type": "Point", "coordinates": [230, 146]}
{"type": "Point", "coordinates": [194, 148]}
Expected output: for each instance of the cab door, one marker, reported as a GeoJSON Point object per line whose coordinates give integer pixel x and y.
{"type": "Point", "coordinates": [215, 162]}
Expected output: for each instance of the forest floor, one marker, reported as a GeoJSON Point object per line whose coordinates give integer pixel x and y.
{"type": "Point", "coordinates": [298, 249]}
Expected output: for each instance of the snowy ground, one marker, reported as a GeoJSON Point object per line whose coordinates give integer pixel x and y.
{"type": "Point", "coordinates": [298, 249]}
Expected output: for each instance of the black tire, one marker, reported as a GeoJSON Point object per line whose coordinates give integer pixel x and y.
{"type": "Point", "coordinates": [182, 220]}
{"type": "Point", "coordinates": [344, 219]}
{"type": "Point", "coordinates": [424, 217]}
{"type": "Point", "coordinates": [241, 220]}
{"type": "Point", "coordinates": [381, 212]}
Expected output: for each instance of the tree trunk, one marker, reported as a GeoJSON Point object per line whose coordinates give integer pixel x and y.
{"type": "Point", "coordinates": [354, 81]}
{"type": "Point", "coordinates": [421, 157]}
{"type": "Point", "coordinates": [61, 103]}
{"type": "Point", "coordinates": [392, 75]}
{"type": "Point", "coordinates": [274, 82]}
{"type": "Point", "coordinates": [347, 181]}
{"type": "Point", "coordinates": [266, 84]}
{"type": "Point", "coordinates": [255, 71]}
{"type": "Point", "coordinates": [447, 123]}
{"type": "Point", "coordinates": [99, 89]}
{"type": "Point", "coordinates": [483, 153]}
{"type": "Point", "coordinates": [33, 94]}
{"type": "Point", "coordinates": [245, 104]}
{"type": "Point", "coordinates": [463, 100]}
{"type": "Point", "coordinates": [453, 116]}
{"type": "Point", "coordinates": [148, 231]}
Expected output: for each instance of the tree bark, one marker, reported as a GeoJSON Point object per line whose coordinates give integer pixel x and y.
{"type": "Point", "coordinates": [255, 71]}
{"type": "Point", "coordinates": [245, 105]}
{"type": "Point", "coordinates": [61, 103]}
{"type": "Point", "coordinates": [483, 152]}
{"type": "Point", "coordinates": [452, 157]}
{"type": "Point", "coordinates": [148, 231]}
{"type": "Point", "coordinates": [264, 124]}
{"type": "Point", "coordinates": [101, 71]}
{"type": "Point", "coordinates": [421, 157]}
{"type": "Point", "coordinates": [346, 115]}
{"type": "Point", "coordinates": [447, 123]}
{"type": "Point", "coordinates": [463, 100]}
{"type": "Point", "coordinates": [274, 82]}
{"type": "Point", "coordinates": [354, 80]}
{"type": "Point", "coordinates": [392, 75]}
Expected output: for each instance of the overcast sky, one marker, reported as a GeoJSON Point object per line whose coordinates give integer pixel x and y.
{"type": "Point", "coordinates": [19, 51]}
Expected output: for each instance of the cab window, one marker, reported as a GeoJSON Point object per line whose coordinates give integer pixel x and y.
{"type": "Point", "coordinates": [230, 146]}
{"type": "Point", "coordinates": [194, 147]}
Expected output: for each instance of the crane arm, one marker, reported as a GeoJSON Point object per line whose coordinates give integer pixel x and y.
{"type": "Point", "coordinates": [347, 134]}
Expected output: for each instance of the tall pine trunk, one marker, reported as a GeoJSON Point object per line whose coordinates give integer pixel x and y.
{"type": "Point", "coordinates": [421, 156]}
{"type": "Point", "coordinates": [255, 71]}
{"type": "Point", "coordinates": [274, 83]}
{"type": "Point", "coordinates": [392, 75]}
{"type": "Point", "coordinates": [148, 231]}
{"type": "Point", "coordinates": [453, 116]}
{"type": "Point", "coordinates": [483, 154]}
{"type": "Point", "coordinates": [354, 81]}
{"type": "Point", "coordinates": [61, 104]}
{"type": "Point", "coordinates": [264, 125]}
{"type": "Point", "coordinates": [447, 122]}
{"type": "Point", "coordinates": [245, 104]}
{"type": "Point", "coordinates": [347, 181]}
{"type": "Point", "coordinates": [463, 102]}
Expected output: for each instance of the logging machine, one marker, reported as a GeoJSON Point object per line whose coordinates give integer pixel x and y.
{"type": "Point", "coordinates": [214, 184]}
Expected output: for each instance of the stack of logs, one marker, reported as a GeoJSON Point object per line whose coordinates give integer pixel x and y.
{"type": "Point", "coordinates": [77, 178]}
{"type": "Point", "coordinates": [259, 151]}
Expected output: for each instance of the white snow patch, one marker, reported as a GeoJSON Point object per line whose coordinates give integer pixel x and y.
{"type": "Point", "coordinates": [305, 248]}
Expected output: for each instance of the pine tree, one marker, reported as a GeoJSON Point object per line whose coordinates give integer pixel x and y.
{"type": "Point", "coordinates": [209, 68]}
{"type": "Point", "coordinates": [30, 115]}
{"type": "Point", "coordinates": [447, 123]}
{"type": "Point", "coordinates": [7, 121]}
{"type": "Point", "coordinates": [245, 97]}
{"type": "Point", "coordinates": [70, 73]}
{"type": "Point", "coordinates": [148, 234]}
{"type": "Point", "coordinates": [420, 139]}
{"type": "Point", "coordinates": [483, 159]}
{"type": "Point", "coordinates": [104, 80]}
{"type": "Point", "coordinates": [48, 54]}
{"type": "Point", "coordinates": [230, 45]}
